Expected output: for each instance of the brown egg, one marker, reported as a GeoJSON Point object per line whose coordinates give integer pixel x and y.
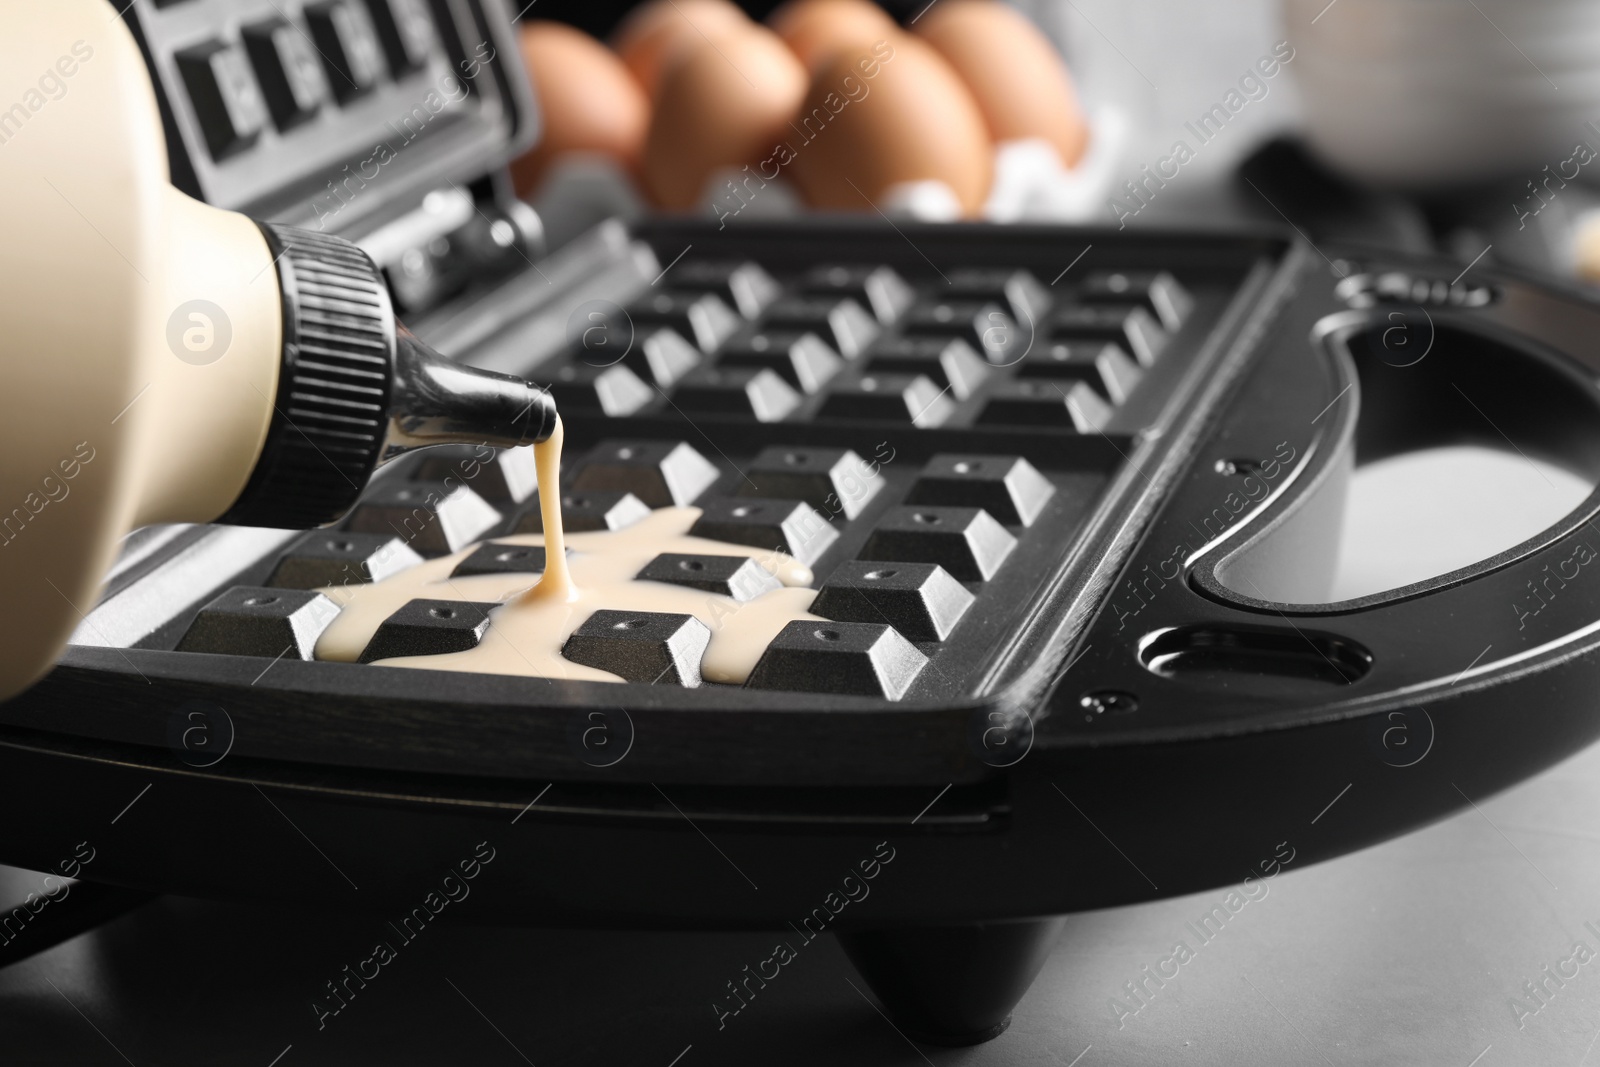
{"type": "Point", "coordinates": [588, 100]}
{"type": "Point", "coordinates": [883, 114]}
{"type": "Point", "coordinates": [815, 29]}
{"type": "Point", "coordinates": [1015, 74]}
{"type": "Point", "coordinates": [1586, 248]}
{"type": "Point", "coordinates": [653, 34]}
{"type": "Point", "coordinates": [723, 103]}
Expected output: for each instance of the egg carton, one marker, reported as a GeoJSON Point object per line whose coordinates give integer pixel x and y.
{"type": "Point", "coordinates": [1030, 185]}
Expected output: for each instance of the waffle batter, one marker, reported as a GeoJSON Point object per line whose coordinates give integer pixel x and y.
{"type": "Point", "coordinates": [526, 633]}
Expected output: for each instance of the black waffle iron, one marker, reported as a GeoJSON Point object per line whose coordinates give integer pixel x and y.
{"type": "Point", "coordinates": [1071, 495]}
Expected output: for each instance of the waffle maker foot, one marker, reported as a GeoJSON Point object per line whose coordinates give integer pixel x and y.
{"type": "Point", "coordinates": [952, 985]}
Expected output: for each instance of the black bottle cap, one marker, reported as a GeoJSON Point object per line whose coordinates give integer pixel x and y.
{"type": "Point", "coordinates": [356, 388]}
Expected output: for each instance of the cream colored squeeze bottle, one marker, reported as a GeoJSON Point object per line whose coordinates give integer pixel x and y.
{"type": "Point", "coordinates": [162, 360]}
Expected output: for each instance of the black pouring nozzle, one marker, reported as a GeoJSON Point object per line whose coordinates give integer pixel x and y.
{"type": "Point", "coordinates": [435, 400]}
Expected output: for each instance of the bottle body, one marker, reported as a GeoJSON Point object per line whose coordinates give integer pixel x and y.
{"type": "Point", "coordinates": [119, 403]}
{"type": "Point", "coordinates": [165, 361]}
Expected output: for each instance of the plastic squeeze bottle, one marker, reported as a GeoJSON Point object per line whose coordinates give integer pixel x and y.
{"type": "Point", "coordinates": [162, 360]}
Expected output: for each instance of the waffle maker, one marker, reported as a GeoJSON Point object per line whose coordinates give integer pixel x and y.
{"type": "Point", "coordinates": [1091, 478]}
